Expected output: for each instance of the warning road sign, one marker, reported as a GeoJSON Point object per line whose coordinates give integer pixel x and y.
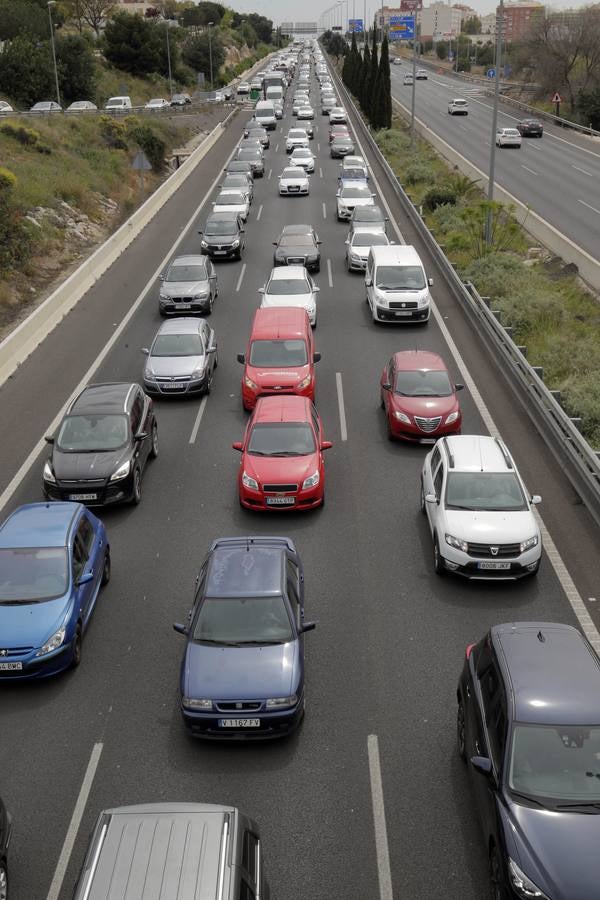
{"type": "Point", "coordinates": [557, 98]}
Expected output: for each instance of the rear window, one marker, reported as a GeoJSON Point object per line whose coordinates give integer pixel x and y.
{"type": "Point", "coordinates": [278, 354]}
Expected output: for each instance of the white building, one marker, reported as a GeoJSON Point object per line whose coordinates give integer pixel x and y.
{"type": "Point", "coordinates": [439, 21]}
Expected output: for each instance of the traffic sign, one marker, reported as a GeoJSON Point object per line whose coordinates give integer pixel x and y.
{"type": "Point", "coordinates": [557, 98]}
{"type": "Point", "coordinates": [355, 25]}
{"type": "Point", "coordinates": [491, 73]}
{"type": "Point", "coordinates": [401, 28]}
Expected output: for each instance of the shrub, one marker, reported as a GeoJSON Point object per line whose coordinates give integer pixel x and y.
{"type": "Point", "coordinates": [390, 141]}
{"type": "Point", "coordinates": [153, 146]}
{"type": "Point", "coordinates": [438, 196]}
{"type": "Point", "coordinates": [25, 136]}
{"type": "Point", "coordinates": [418, 171]}
{"type": "Point", "coordinates": [114, 132]}
{"type": "Point", "coordinates": [14, 238]}
{"type": "Point", "coordinates": [8, 181]}
{"type": "Point", "coordinates": [43, 148]}
{"type": "Point", "coordinates": [446, 219]}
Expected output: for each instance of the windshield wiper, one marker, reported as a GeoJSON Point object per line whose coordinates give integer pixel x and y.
{"type": "Point", "coordinates": [527, 798]}
{"type": "Point", "coordinates": [258, 453]}
{"type": "Point", "coordinates": [17, 602]}
{"type": "Point", "coordinates": [218, 643]}
{"type": "Point", "coordinates": [591, 806]}
{"type": "Point", "coordinates": [290, 453]}
{"type": "Point", "coordinates": [467, 508]}
{"type": "Point", "coordinates": [264, 643]}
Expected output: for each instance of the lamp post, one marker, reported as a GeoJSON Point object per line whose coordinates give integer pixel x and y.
{"type": "Point", "coordinates": [490, 196]}
{"type": "Point", "coordinates": [50, 4]}
{"type": "Point", "coordinates": [169, 64]}
{"type": "Point", "coordinates": [210, 24]}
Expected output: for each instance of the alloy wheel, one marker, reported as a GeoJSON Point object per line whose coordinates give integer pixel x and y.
{"type": "Point", "coordinates": [3, 882]}
{"type": "Point", "coordinates": [137, 486]}
{"type": "Point", "coordinates": [496, 888]}
{"type": "Point", "coordinates": [154, 445]}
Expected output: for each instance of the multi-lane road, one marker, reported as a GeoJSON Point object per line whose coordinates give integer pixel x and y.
{"type": "Point", "coordinates": [558, 177]}
{"type": "Point", "coordinates": [375, 757]}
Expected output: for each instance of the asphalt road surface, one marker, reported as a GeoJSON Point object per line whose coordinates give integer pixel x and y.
{"type": "Point", "coordinates": [557, 176]}
{"type": "Point", "coordinates": [369, 798]}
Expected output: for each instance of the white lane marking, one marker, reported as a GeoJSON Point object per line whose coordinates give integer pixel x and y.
{"type": "Point", "coordinates": [270, 173]}
{"type": "Point", "coordinates": [241, 278]}
{"type": "Point", "coordinates": [340, 396]}
{"type": "Point", "coordinates": [381, 839]}
{"type": "Point", "coordinates": [593, 208]}
{"type": "Point", "coordinates": [529, 170]}
{"type": "Point", "coordinates": [258, 215]}
{"type": "Point", "coordinates": [324, 211]}
{"type": "Point", "coordinates": [67, 848]}
{"type": "Point", "coordinates": [585, 171]}
{"type": "Point", "coordinates": [329, 274]}
{"type": "Point", "coordinates": [199, 415]}
{"type": "Point", "coordinates": [320, 172]}
{"type": "Point", "coordinates": [318, 148]}
{"type": "Point", "coordinates": [18, 477]}
{"type": "Point", "coordinates": [276, 148]}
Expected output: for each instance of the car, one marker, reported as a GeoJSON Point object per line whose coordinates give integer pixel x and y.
{"type": "Point", "coordinates": [291, 286]}
{"type": "Point", "coordinates": [341, 146]}
{"type": "Point", "coordinates": [408, 79]}
{"type": "Point", "coordinates": [118, 104]}
{"type": "Point", "coordinates": [421, 75]}
{"type": "Point", "coordinates": [239, 181]}
{"type": "Point", "coordinates": [367, 218]}
{"type": "Point", "coordinates": [479, 513]}
{"type": "Point", "coordinates": [338, 131]}
{"type": "Point", "coordinates": [328, 101]}
{"type": "Point", "coordinates": [282, 466]}
{"type": "Point", "coordinates": [242, 672]}
{"type": "Point", "coordinates": [294, 180]}
{"type": "Point", "coordinates": [80, 106]}
{"type": "Point", "coordinates": [298, 245]}
{"type": "Point", "coordinates": [397, 287]}
{"type": "Point", "coordinates": [102, 446]}
{"type": "Point", "coordinates": [302, 156]}
{"type": "Point", "coordinates": [458, 107]}
{"type": "Point", "coordinates": [296, 137]}
{"type": "Point", "coordinates": [239, 167]}
{"type": "Point", "coordinates": [350, 195]}
{"type": "Point", "coordinates": [278, 107]}
{"type": "Point", "coordinates": [46, 106]}
{"type": "Point", "coordinates": [255, 132]}
{"type": "Point", "coordinates": [305, 112]}
{"type": "Point", "coordinates": [223, 236]}
{"type": "Point", "coordinates": [527, 730]}
{"type": "Point", "coordinates": [188, 285]}
{"type": "Point", "coordinates": [254, 156]}
{"type": "Point", "coordinates": [358, 244]}
{"type": "Point", "coordinates": [243, 87]}
{"type": "Point", "coordinates": [54, 559]}
{"type": "Point", "coordinates": [297, 103]}
{"type": "Point", "coordinates": [215, 97]}
{"type": "Point", "coordinates": [508, 137]}
{"type": "Point", "coordinates": [5, 107]}
{"type": "Point", "coordinates": [418, 397]}
{"type": "Point", "coordinates": [181, 99]}
{"type": "Point", "coordinates": [396, 61]}
{"type": "Point", "coordinates": [354, 162]}
{"type": "Point", "coordinates": [337, 115]}
{"type": "Point", "coordinates": [181, 359]}
{"type": "Point", "coordinates": [157, 103]}
{"type": "Point", "coordinates": [5, 836]}
{"type": "Point", "coordinates": [530, 128]}
{"type": "Point", "coordinates": [232, 201]}
{"type": "Point", "coordinates": [227, 93]}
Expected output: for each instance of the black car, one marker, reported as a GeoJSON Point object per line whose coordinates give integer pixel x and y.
{"type": "Point", "coordinates": [102, 445]}
{"type": "Point", "coordinates": [5, 834]}
{"type": "Point", "coordinates": [341, 146]}
{"type": "Point", "coordinates": [298, 245]}
{"type": "Point", "coordinates": [528, 726]}
{"type": "Point", "coordinates": [530, 128]}
{"type": "Point", "coordinates": [223, 236]}
{"type": "Point", "coordinates": [237, 166]}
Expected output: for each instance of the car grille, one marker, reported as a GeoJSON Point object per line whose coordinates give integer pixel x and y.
{"type": "Point", "coordinates": [280, 488]}
{"type": "Point", "coordinates": [296, 260]}
{"type": "Point", "coordinates": [184, 300]}
{"type": "Point", "coordinates": [428, 425]}
{"type": "Point", "coordinates": [169, 380]}
{"type": "Point", "coordinates": [486, 551]}
{"type": "Point", "coordinates": [397, 304]}
{"type": "Point", "coordinates": [82, 482]}
{"type": "Point", "coordinates": [7, 652]}
{"type": "Point", "coordinates": [238, 705]}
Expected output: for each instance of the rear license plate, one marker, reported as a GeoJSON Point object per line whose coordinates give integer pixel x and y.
{"type": "Point", "coordinates": [184, 305]}
{"type": "Point", "coordinates": [280, 501]}
{"type": "Point", "coordinates": [78, 497]}
{"type": "Point", "coordinates": [239, 723]}
{"type": "Point", "coordinates": [402, 312]}
{"type": "Point", "coordinates": [493, 565]}
{"type": "Point", "coordinates": [10, 666]}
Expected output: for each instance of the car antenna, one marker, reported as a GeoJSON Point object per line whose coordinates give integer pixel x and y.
{"type": "Point", "coordinates": [541, 638]}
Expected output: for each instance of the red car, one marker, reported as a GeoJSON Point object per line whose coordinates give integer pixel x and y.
{"type": "Point", "coordinates": [419, 398]}
{"type": "Point", "coordinates": [338, 131]}
{"type": "Point", "coordinates": [282, 461]}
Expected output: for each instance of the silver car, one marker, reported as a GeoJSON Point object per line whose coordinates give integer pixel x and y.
{"type": "Point", "coordinates": [232, 201]}
{"type": "Point", "coordinates": [188, 285]}
{"type": "Point", "coordinates": [238, 181]}
{"type": "Point", "coordinates": [358, 246]}
{"type": "Point", "coordinates": [182, 358]}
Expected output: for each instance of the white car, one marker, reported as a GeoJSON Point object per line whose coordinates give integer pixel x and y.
{"type": "Point", "coordinates": [80, 106]}
{"type": "Point", "coordinates": [508, 137]}
{"type": "Point", "coordinates": [422, 75]}
{"type": "Point", "coordinates": [304, 158]}
{"type": "Point", "coordinates": [291, 286]}
{"type": "Point", "coordinates": [297, 103]}
{"type": "Point", "coordinates": [351, 195]}
{"type": "Point", "coordinates": [358, 245]}
{"type": "Point", "coordinates": [337, 116]}
{"type": "Point", "coordinates": [294, 180]}
{"type": "Point", "coordinates": [408, 79]}
{"type": "Point", "coordinates": [233, 202]}
{"type": "Point", "coordinates": [479, 512]}
{"type": "Point", "coordinates": [243, 87]}
{"type": "Point", "coordinates": [458, 107]}
{"type": "Point", "coordinates": [157, 103]}
{"type": "Point", "coordinates": [278, 107]}
{"type": "Point", "coordinates": [306, 112]}
{"type": "Point", "coordinates": [5, 107]}
{"type": "Point", "coordinates": [296, 137]}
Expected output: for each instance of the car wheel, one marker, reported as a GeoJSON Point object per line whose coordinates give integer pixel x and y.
{"type": "Point", "coordinates": [438, 563]}
{"type": "Point", "coordinates": [381, 400]}
{"type": "Point", "coordinates": [388, 428]}
{"type": "Point", "coordinates": [216, 364]}
{"type": "Point", "coordinates": [3, 881]}
{"type": "Point", "coordinates": [105, 580]}
{"type": "Point", "coordinates": [154, 444]}
{"type": "Point", "coordinates": [238, 255]}
{"type": "Point", "coordinates": [460, 731]}
{"type": "Point", "coordinates": [422, 501]}
{"type": "Point", "coordinates": [76, 648]}
{"type": "Point", "coordinates": [211, 303]}
{"type": "Point", "coordinates": [318, 267]}
{"type": "Point", "coordinates": [137, 486]}
{"type": "Point", "coordinates": [496, 886]}
{"type": "Point", "coordinates": [209, 383]}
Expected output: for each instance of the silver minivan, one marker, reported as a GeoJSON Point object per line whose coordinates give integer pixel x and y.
{"type": "Point", "coordinates": [397, 286]}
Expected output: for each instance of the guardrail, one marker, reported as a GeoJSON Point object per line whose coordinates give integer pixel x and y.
{"type": "Point", "coordinates": [534, 112]}
{"type": "Point", "coordinates": [578, 460]}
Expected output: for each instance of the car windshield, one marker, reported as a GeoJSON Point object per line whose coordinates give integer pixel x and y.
{"type": "Point", "coordinates": [248, 153]}
{"type": "Point", "coordinates": [296, 240]}
{"type": "Point", "coordinates": [297, 133]}
{"type": "Point", "coordinates": [177, 345]}
{"type": "Point", "coordinates": [557, 762]}
{"type": "Point", "coordinates": [236, 181]}
{"type": "Point", "coordinates": [366, 239]}
{"type": "Point", "coordinates": [186, 273]}
{"type": "Point", "coordinates": [235, 198]}
{"type": "Point", "coordinates": [220, 228]}
{"type": "Point", "coordinates": [293, 173]}
{"type": "Point", "coordinates": [32, 574]}
{"type": "Point", "coordinates": [354, 173]}
{"type": "Point", "coordinates": [423, 384]}
{"type": "Point", "coordinates": [281, 439]}
{"type": "Point", "coordinates": [92, 433]}
{"type": "Point", "coordinates": [356, 193]}
{"type": "Point", "coordinates": [492, 491]}
{"type": "Point", "coordinates": [243, 620]}
{"type": "Point", "coordinates": [301, 153]}
{"type": "Point", "coordinates": [400, 278]}
{"type": "Point", "coordinates": [288, 286]}
{"type": "Point", "coordinates": [275, 354]}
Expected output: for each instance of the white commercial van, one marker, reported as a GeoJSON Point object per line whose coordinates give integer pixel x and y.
{"type": "Point", "coordinates": [264, 113]}
{"type": "Point", "coordinates": [397, 286]}
{"type": "Point", "coordinates": [274, 92]}
{"type": "Point", "coordinates": [118, 104]}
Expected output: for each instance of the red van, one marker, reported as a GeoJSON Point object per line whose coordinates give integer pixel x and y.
{"type": "Point", "coordinates": [280, 356]}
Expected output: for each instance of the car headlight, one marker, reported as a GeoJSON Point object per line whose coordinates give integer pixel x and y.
{"type": "Point", "coordinates": [202, 244]}
{"type": "Point", "coordinates": [250, 384]}
{"type": "Point", "coordinates": [201, 296]}
{"type": "Point", "coordinates": [304, 383]}
{"type": "Point", "coordinates": [424, 301]}
{"type": "Point", "coordinates": [402, 417]}
{"type": "Point", "coordinates": [458, 543]}
{"type": "Point", "coordinates": [236, 243]}
{"type": "Point", "coordinates": [529, 543]}
{"type": "Point", "coordinates": [355, 257]}
{"type": "Point", "coordinates": [281, 702]}
{"type": "Point", "coordinates": [249, 482]}
{"type": "Point", "coordinates": [122, 471]}
{"type": "Point", "coordinates": [48, 473]}
{"type": "Point", "coordinates": [164, 296]}
{"type": "Point", "coordinates": [53, 643]}
{"type": "Point", "coordinates": [194, 703]}
{"type": "Point", "coordinates": [453, 417]}
{"type": "Point", "coordinates": [311, 481]}
{"type": "Point", "coordinates": [198, 373]}
{"type": "Point", "coordinates": [149, 374]}
{"type": "Point", "coordinates": [523, 886]}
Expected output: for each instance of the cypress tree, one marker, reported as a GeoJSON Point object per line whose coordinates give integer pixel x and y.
{"type": "Point", "coordinates": [382, 111]}
{"type": "Point", "coordinates": [372, 82]}
{"type": "Point", "coordinates": [364, 77]}
{"type": "Point", "coordinates": [354, 66]}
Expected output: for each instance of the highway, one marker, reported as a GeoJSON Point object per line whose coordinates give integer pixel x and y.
{"type": "Point", "coordinates": [375, 756]}
{"type": "Point", "coordinates": [558, 177]}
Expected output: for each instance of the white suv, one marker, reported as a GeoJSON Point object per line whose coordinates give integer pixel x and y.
{"type": "Point", "coordinates": [478, 510]}
{"type": "Point", "coordinates": [458, 107]}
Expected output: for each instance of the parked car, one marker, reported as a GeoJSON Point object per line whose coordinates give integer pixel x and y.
{"type": "Point", "coordinates": [298, 245]}
{"type": "Point", "coordinates": [458, 107]}
{"type": "Point", "coordinates": [223, 236]}
{"type": "Point", "coordinates": [530, 128]}
{"type": "Point", "coordinates": [80, 106]}
{"type": "Point", "coordinates": [102, 445]}
{"type": "Point", "coordinates": [358, 245]}
{"type": "Point", "coordinates": [291, 286]}
{"type": "Point", "coordinates": [181, 100]}
{"type": "Point", "coordinates": [46, 106]}
{"type": "Point", "coordinates": [157, 103]}
{"type": "Point", "coordinates": [350, 195]}
{"type": "Point", "coordinates": [188, 285]}
{"type": "Point", "coordinates": [5, 836]}
{"type": "Point", "coordinates": [242, 672]}
{"type": "Point", "coordinates": [181, 359]}
{"type": "Point", "coordinates": [54, 558]}
{"type": "Point", "coordinates": [508, 137]}
{"type": "Point", "coordinates": [294, 180]}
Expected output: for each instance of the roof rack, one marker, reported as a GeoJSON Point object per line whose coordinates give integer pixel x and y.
{"type": "Point", "coordinates": [505, 453]}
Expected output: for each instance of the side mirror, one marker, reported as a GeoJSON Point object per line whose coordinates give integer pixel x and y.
{"type": "Point", "coordinates": [326, 445]}
{"type": "Point", "coordinates": [316, 357]}
{"type": "Point", "coordinates": [237, 445]}
{"type": "Point", "coordinates": [347, 241]}
{"type": "Point", "coordinates": [535, 499]}
{"type": "Point", "coordinates": [430, 282]}
{"type": "Point", "coordinates": [307, 626]}
{"type": "Point", "coordinates": [49, 439]}
{"type": "Point", "coordinates": [316, 288]}
{"type": "Point", "coordinates": [211, 349]}
{"type": "Point", "coordinates": [430, 498]}
{"type": "Point", "coordinates": [141, 436]}
{"type": "Point", "coordinates": [261, 290]}
{"type": "Point", "coordinates": [162, 277]}
{"type": "Point", "coordinates": [179, 628]}
{"type": "Point", "coordinates": [386, 386]}
{"type": "Point", "coordinates": [319, 242]}
{"type": "Point", "coordinates": [482, 764]}
{"type": "Point", "coordinates": [145, 351]}
{"type": "Point", "coordinates": [458, 386]}
{"type": "Point", "coordinates": [373, 195]}
{"type": "Point", "coordinates": [392, 242]}
{"type": "Point", "coordinates": [241, 358]}
{"type": "Point", "coordinates": [200, 232]}
{"type": "Point", "coordinates": [368, 282]}
{"type": "Point", "coordinates": [274, 243]}
{"type": "Point", "coordinates": [85, 578]}
{"type": "Point", "coordinates": [242, 231]}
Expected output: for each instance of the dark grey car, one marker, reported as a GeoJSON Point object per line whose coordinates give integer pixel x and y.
{"type": "Point", "coordinates": [223, 236]}
{"type": "Point", "coordinates": [255, 157]}
{"type": "Point", "coordinates": [340, 147]}
{"type": "Point", "coordinates": [188, 285]}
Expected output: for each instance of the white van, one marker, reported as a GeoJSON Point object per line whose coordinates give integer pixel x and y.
{"type": "Point", "coordinates": [118, 104]}
{"type": "Point", "coordinates": [274, 92]}
{"type": "Point", "coordinates": [397, 286]}
{"type": "Point", "coordinates": [264, 113]}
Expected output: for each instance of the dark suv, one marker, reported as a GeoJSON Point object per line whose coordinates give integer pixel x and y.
{"type": "Point", "coordinates": [223, 236]}
{"type": "Point", "coordinates": [528, 726]}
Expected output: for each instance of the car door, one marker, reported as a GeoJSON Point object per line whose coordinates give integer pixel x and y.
{"type": "Point", "coordinates": [318, 429]}
{"type": "Point", "coordinates": [141, 423]}
{"type": "Point", "coordinates": [212, 277]}
{"type": "Point", "coordinates": [432, 484]}
{"type": "Point", "coordinates": [81, 565]}
{"type": "Point", "coordinates": [251, 867]}
{"type": "Point", "coordinates": [391, 380]}
{"type": "Point", "coordinates": [488, 733]}
{"type": "Point", "coordinates": [92, 545]}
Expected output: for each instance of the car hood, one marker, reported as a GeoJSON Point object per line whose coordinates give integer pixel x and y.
{"type": "Point", "coordinates": [31, 624]}
{"type": "Point", "coordinates": [241, 673]}
{"type": "Point", "coordinates": [280, 470]}
{"type": "Point", "coordinates": [297, 179]}
{"type": "Point", "coordinates": [221, 238]}
{"type": "Point", "coordinates": [424, 406]}
{"type": "Point", "coordinates": [305, 301]}
{"type": "Point", "coordinates": [282, 378]}
{"type": "Point", "coordinates": [184, 288]}
{"type": "Point", "coordinates": [484, 527]}
{"type": "Point", "coordinates": [76, 466]}
{"type": "Point", "coordinates": [295, 250]}
{"type": "Point", "coordinates": [164, 366]}
{"type": "Point", "coordinates": [403, 296]}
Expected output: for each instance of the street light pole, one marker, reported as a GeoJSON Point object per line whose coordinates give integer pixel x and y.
{"type": "Point", "coordinates": [414, 84]}
{"type": "Point", "coordinates": [169, 64]}
{"type": "Point", "coordinates": [50, 4]}
{"type": "Point", "coordinates": [499, 24]}
{"type": "Point", "coordinates": [210, 24]}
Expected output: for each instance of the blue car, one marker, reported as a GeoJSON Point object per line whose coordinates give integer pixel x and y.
{"type": "Point", "coordinates": [242, 674]}
{"type": "Point", "coordinates": [54, 557]}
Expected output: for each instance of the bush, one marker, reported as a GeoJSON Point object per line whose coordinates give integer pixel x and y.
{"type": "Point", "coordinates": [439, 196]}
{"type": "Point", "coordinates": [26, 136]}
{"type": "Point", "coordinates": [14, 238]}
{"type": "Point", "coordinates": [8, 181]}
{"type": "Point", "coordinates": [418, 172]}
{"type": "Point", "coordinates": [114, 132]}
{"type": "Point", "coordinates": [153, 146]}
{"type": "Point", "coordinates": [390, 141]}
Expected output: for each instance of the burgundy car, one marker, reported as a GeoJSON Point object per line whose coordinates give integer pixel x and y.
{"type": "Point", "coordinates": [419, 398]}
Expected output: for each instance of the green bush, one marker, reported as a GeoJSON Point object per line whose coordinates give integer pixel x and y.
{"type": "Point", "coordinates": [418, 172]}
{"type": "Point", "coordinates": [391, 141]}
{"type": "Point", "coordinates": [445, 219]}
{"type": "Point", "coordinates": [44, 149]}
{"type": "Point", "coordinates": [26, 136]}
{"type": "Point", "coordinates": [438, 196]}
{"type": "Point", "coordinates": [114, 132]}
{"type": "Point", "coordinates": [14, 238]}
{"type": "Point", "coordinates": [8, 181]}
{"type": "Point", "coordinates": [153, 146]}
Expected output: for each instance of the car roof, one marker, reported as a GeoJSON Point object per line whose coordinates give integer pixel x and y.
{"type": "Point", "coordinates": [409, 360]}
{"type": "Point", "coordinates": [296, 229]}
{"type": "Point", "coordinates": [102, 398]}
{"type": "Point", "coordinates": [245, 569]}
{"type": "Point", "coordinates": [191, 260]}
{"type": "Point", "coordinates": [554, 673]}
{"type": "Point", "coordinates": [477, 453]}
{"type": "Point", "coordinates": [182, 325]}
{"type": "Point", "coordinates": [282, 408]}
{"type": "Point", "coordinates": [282, 273]}
{"type": "Point", "coordinates": [39, 525]}
{"type": "Point", "coordinates": [279, 323]}
{"type": "Point", "coordinates": [396, 254]}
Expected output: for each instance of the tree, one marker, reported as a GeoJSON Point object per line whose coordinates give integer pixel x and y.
{"type": "Point", "coordinates": [382, 100]}
{"type": "Point", "coordinates": [372, 81]}
{"type": "Point", "coordinates": [204, 13]}
{"type": "Point", "coordinates": [364, 77]}
{"type": "Point", "coordinates": [135, 45]}
{"type": "Point", "coordinates": [441, 49]}
{"type": "Point", "coordinates": [20, 17]}
{"type": "Point", "coordinates": [557, 40]}
{"type": "Point", "coordinates": [262, 26]}
{"type": "Point", "coordinates": [196, 53]}
{"type": "Point", "coordinates": [588, 104]}
{"type": "Point", "coordinates": [472, 25]}
{"type": "Point", "coordinates": [76, 68]}
{"type": "Point", "coordinates": [26, 70]}
{"type": "Point", "coordinates": [95, 12]}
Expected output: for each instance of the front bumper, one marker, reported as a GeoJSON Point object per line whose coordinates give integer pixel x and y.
{"type": "Point", "coordinates": [168, 388]}
{"type": "Point", "coordinates": [278, 723]}
{"type": "Point", "coordinates": [93, 493]}
{"type": "Point", "coordinates": [460, 563]}
{"type": "Point", "coordinates": [168, 307]}
{"type": "Point", "coordinates": [299, 191]}
{"type": "Point", "coordinates": [282, 502]}
{"type": "Point", "coordinates": [383, 314]}
{"type": "Point", "coordinates": [38, 667]}
{"type": "Point", "coordinates": [412, 433]}
{"type": "Point", "coordinates": [221, 251]}
{"type": "Point", "coordinates": [357, 265]}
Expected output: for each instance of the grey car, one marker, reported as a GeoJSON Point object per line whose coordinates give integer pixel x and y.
{"type": "Point", "coordinates": [341, 146]}
{"type": "Point", "coordinates": [188, 285]}
{"type": "Point", "coordinates": [181, 359]}
{"type": "Point", "coordinates": [238, 181]}
{"type": "Point", "coordinates": [368, 218]}
{"type": "Point", "coordinates": [254, 156]}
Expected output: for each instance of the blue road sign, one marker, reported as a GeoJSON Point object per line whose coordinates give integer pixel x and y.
{"type": "Point", "coordinates": [355, 25]}
{"type": "Point", "coordinates": [401, 28]}
{"type": "Point", "coordinates": [491, 73]}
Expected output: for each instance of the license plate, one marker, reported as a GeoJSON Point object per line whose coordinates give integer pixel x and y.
{"type": "Point", "coordinates": [10, 666]}
{"type": "Point", "coordinates": [280, 501]}
{"type": "Point", "coordinates": [184, 305]}
{"type": "Point", "coordinates": [171, 385]}
{"type": "Point", "coordinates": [239, 723]}
{"type": "Point", "coordinates": [219, 252]}
{"type": "Point", "coordinates": [78, 497]}
{"type": "Point", "coordinates": [402, 312]}
{"type": "Point", "coordinates": [493, 565]}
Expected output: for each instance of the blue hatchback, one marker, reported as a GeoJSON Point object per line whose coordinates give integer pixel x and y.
{"type": "Point", "coordinates": [242, 674]}
{"type": "Point", "coordinates": [54, 557]}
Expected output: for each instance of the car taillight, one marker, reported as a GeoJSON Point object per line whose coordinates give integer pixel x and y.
{"type": "Point", "coordinates": [468, 650]}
